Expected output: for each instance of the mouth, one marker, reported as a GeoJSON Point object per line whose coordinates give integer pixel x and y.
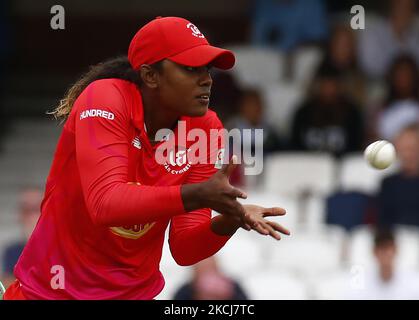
{"type": "Point", "coordinates": [203, 98]}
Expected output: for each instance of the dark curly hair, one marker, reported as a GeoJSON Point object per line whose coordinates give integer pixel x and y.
{"type": "Point", "coordinates": [118, 67]}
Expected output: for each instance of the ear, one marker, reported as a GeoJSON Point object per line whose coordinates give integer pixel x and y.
{"type": "Point", "coordinates": [149, 76]}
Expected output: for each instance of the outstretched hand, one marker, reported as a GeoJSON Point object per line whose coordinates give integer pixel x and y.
{"type": "Point", "coordinates": [222, 197]}
{"type": "Point", "coordinates": [263, 226]}
{"type": "Point", "coordinates": [218, 194]}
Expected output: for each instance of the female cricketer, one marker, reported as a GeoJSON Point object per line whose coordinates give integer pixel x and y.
{"type": "Point", "coordinates": [108, 201]}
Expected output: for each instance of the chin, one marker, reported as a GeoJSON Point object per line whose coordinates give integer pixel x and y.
{"type": "Point", "coordinates": [198, 111]}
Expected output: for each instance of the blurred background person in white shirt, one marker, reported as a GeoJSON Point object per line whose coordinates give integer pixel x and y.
{"type": "Point", "coordinates": [385, 281]}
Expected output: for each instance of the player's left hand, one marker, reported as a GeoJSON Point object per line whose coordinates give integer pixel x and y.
{"type": "Point", "coordinates": [262, 225]}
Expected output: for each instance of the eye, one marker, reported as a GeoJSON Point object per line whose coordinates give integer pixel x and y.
{"type": "Point", "coordinates": [191, 69]}
{"type": "Point", "coordinates": [206, 68]}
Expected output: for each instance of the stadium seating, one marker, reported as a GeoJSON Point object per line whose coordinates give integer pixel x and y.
{"type": "Point", "coordinates": [309, 253]}
{"type": "Point", "coordinates": [305, 63]}
{"type": "Point", "coordinates": [35, 138]}
{"type": "Point", "coordinates": [296, 173]}
{"type": "Point", "coordinates": [8, 234]}
{"type": "Point", "coordinates": [281, 100]}
{"type": "Point", "coordinates": [357, 175]}
{"type": "Point", "coordinates": [347, 209]}
{"type": "Point", "coordinates": [257, 66]}
{"type": "Point", "coordinates": [313, 214]}
{"type": "Point", "coordinates": [240, 256]}
{"type": "Point", "coordinates": [274, 285]}
{"type": "Point", "coordinates": [330, 286]}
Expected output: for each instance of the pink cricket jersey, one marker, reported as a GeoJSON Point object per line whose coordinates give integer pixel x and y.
{"type": "Point", "coordinates": [108, 203]}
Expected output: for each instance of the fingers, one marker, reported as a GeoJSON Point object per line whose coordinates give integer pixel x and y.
{"type": "Point", "coordinates": [272, 232]}
{"type": "Point", "coordinates": [251, 220]}
{"type": "Point", "coordinates": [246, 227]}
{"type": "Point", "coordinates": [237, 193]}
{"type": "Point", "coordinates": [275, 211]}
{"type": "Point", "coordinates": [278, 227]}
{"type": "Point", "coordinates": [270, 228]}
{"type": "Point", "coordinates": [228, 169]}
{"type": "Point", "coordinates": [258, 227]}
{"type": "Point", "coordinates": [256, 224]}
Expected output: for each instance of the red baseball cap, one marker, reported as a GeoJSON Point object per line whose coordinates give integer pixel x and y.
{"type": "Point", "coordinates": [178, 40]}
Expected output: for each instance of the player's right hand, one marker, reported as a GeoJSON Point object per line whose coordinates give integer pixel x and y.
{"type": "Point", "coordinates": [221, 196]}
{"type": "Point", "coordinates": [218, 194]}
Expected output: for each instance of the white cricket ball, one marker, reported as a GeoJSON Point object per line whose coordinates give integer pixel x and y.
{"type": "Point", "coordinates": [380, 154]}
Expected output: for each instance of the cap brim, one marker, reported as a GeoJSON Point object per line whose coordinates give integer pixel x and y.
{"type": "Point", "coordinates": [203, 55]}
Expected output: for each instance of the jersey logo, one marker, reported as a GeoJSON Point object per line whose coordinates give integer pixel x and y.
{"type": "Point", "coordinates": [177, 162]}
{"type": "Point", "coordinates": [132, 232]}
{"type": "Point", "coordinates": [195, 30]}
{"type": "Point", "coordinates": [97, 113]}
{"type": "Point", "coordinates": [136, 143]}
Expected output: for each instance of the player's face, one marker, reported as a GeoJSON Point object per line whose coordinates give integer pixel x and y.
{"type": "Point", "coordinates": [185, 90]}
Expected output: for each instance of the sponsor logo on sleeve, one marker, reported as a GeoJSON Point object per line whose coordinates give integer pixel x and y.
{"type": "Point", "coordinates": [96, 113]}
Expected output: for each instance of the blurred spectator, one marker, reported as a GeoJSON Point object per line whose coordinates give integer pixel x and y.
{"type": "Point", "coordinates": [29, 211]}
{"type": "Point", "coordinates": [251, 116]}
{"type": "Point", "coordinates": [285, 24]}
{"type": "Point", "coordinates": [402, 105]}
{"type": "Point", "coordinates": [341, 55]}
{"type": "Point", "coordinates": [208, 283]}
{"type": "Point", "coordinates": [327, 121]}
{"type": "Point", "coordinates": [386, 282]}
{"type": "Point", "coordinates": [398, 200]}
{"type": "Point", "coordinates": [385, 39]}
{"type": "Point", "coordinates": [225, 93]}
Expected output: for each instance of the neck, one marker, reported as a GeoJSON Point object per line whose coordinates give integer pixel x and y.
{"type": "Point", "coordinates": [386, 274]}
{"type": "Point", "coordinates": [156, 116]}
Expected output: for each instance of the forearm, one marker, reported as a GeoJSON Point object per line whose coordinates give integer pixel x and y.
{"type": "Point", "coordinates": [191, 196]}
{"type": "Point", "coordinates": [224, 226]}
{"type": "Point", "coordinates": [124, 204]}
{"type": "Point", "coordinates": [191, 245]}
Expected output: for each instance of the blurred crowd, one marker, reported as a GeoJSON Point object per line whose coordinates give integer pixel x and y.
{"type": "Point", "coordinates": [362, 86]}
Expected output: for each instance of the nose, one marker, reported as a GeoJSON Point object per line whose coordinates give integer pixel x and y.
{"type": "Point", "coordinates": [205, 79]}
